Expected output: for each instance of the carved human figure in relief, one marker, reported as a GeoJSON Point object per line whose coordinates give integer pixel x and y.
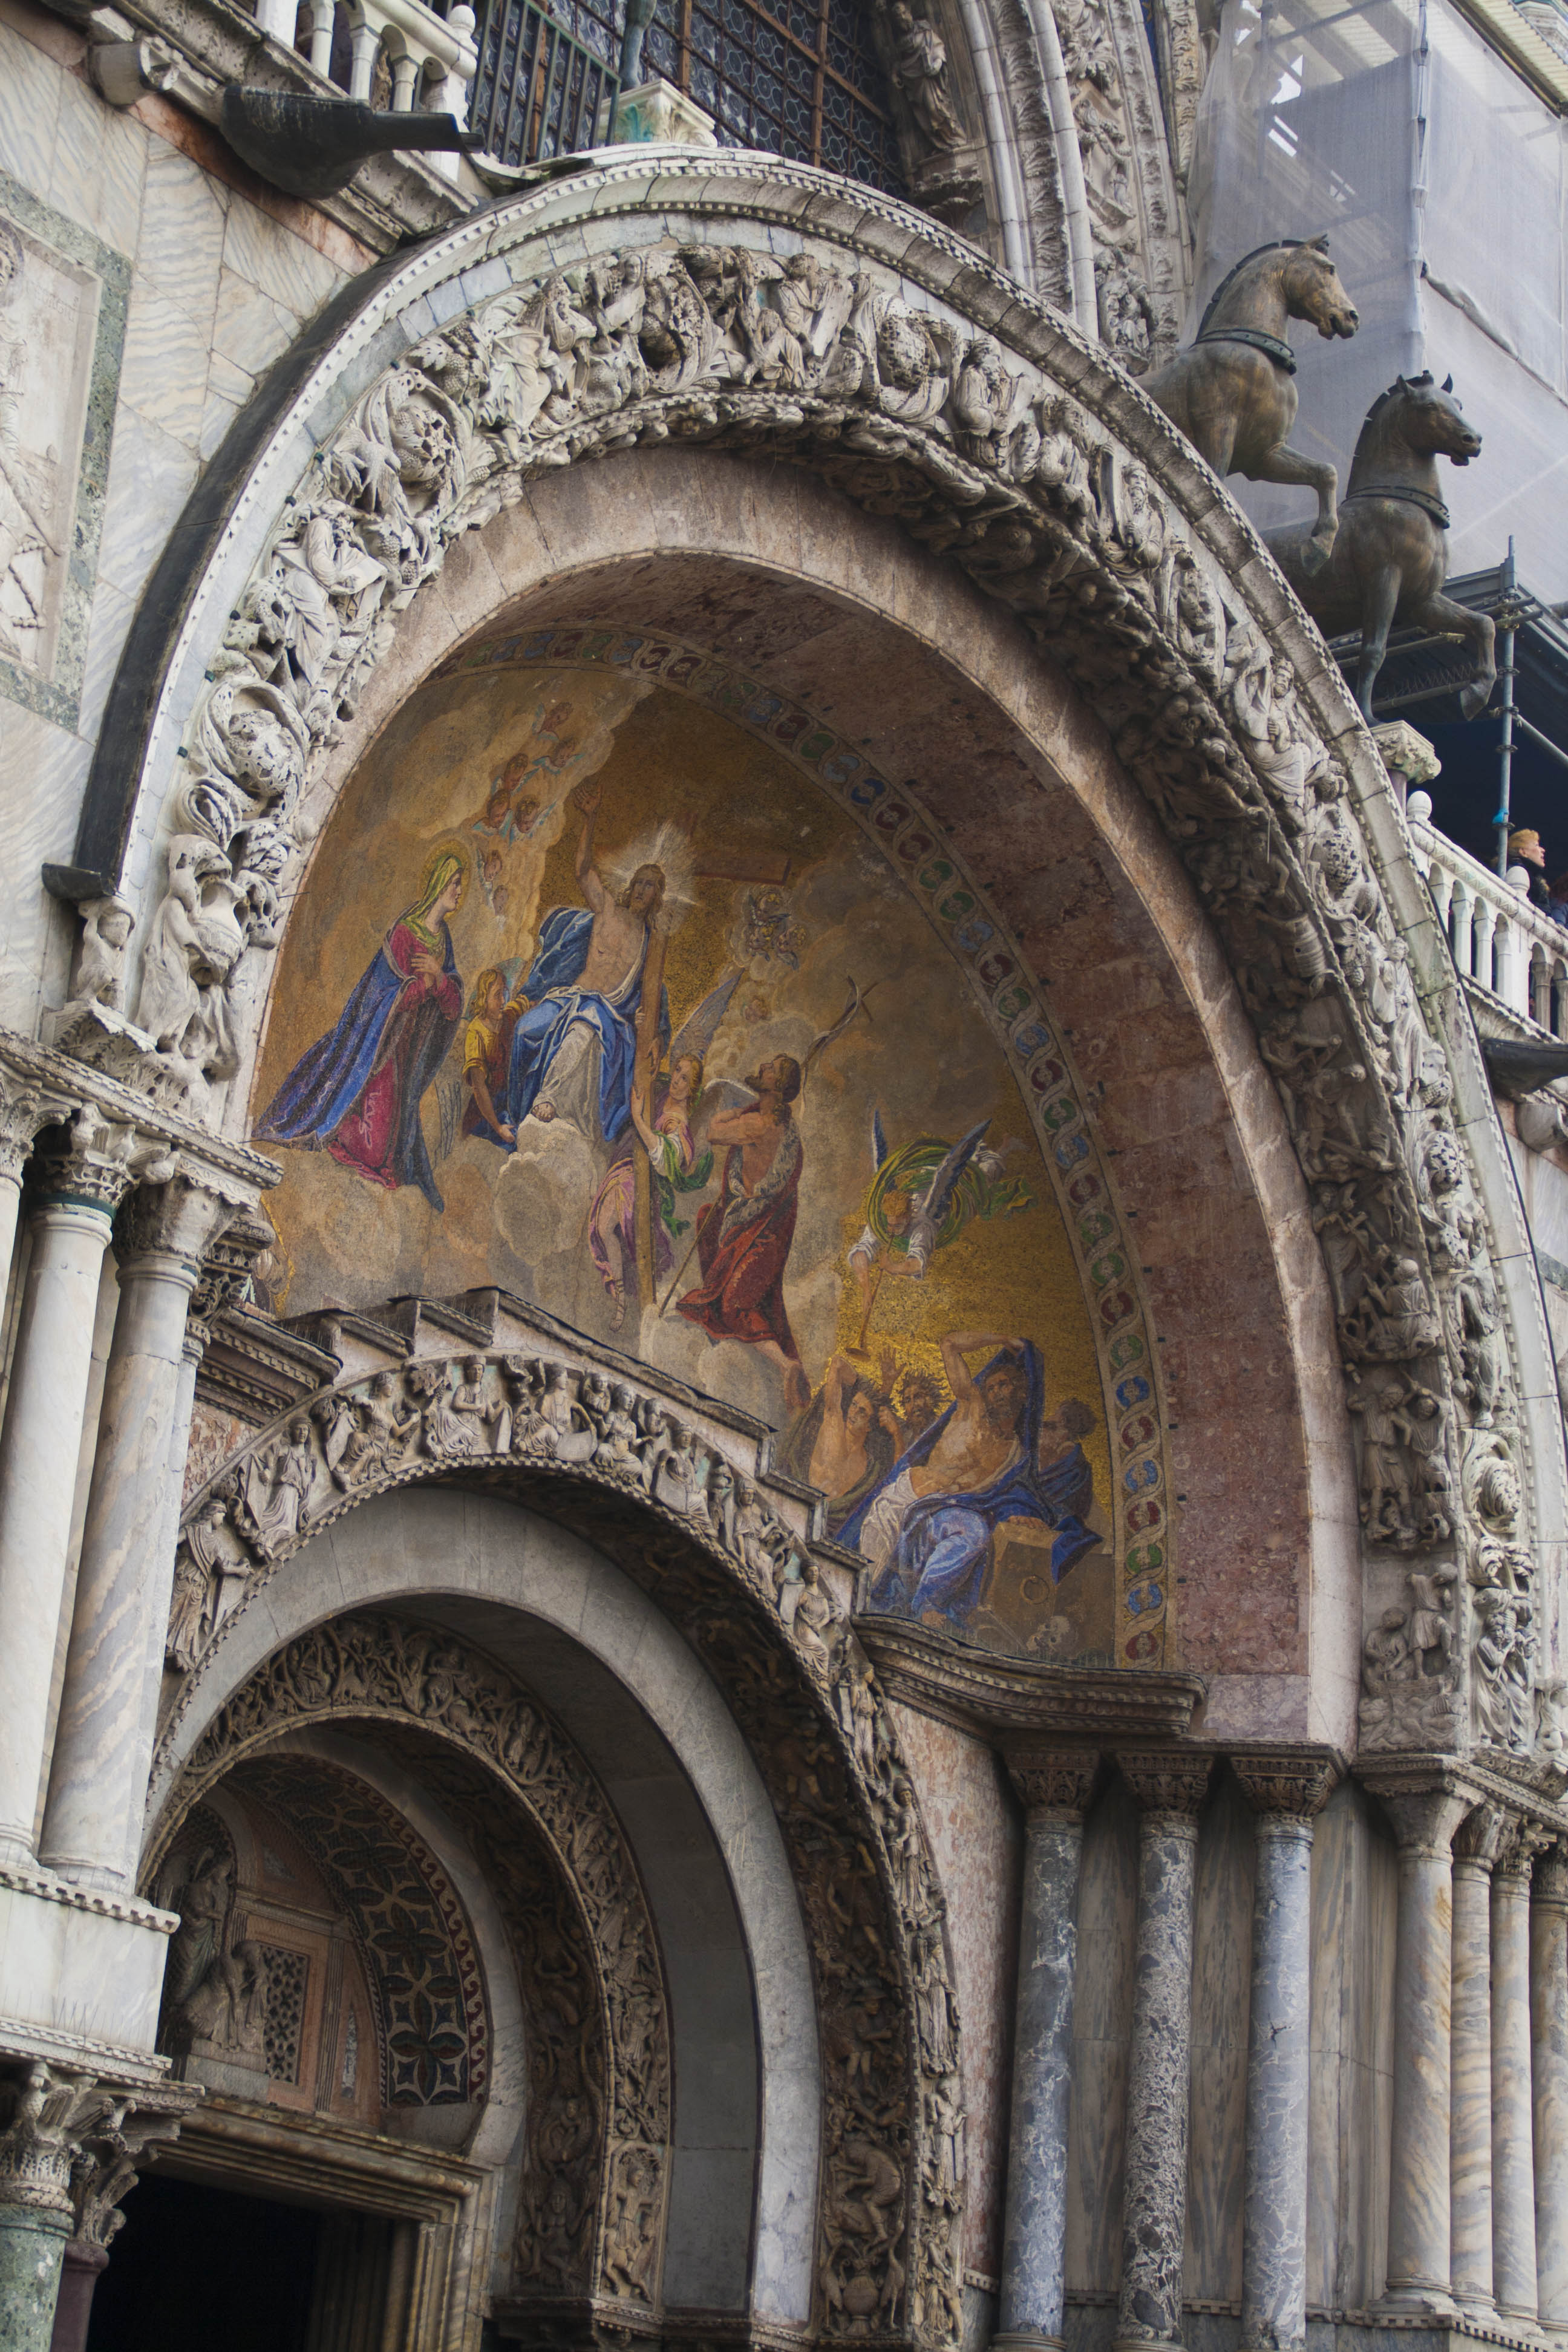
{"type": "Point", "coordinates": [928, 1529]}
{"type": "Point", "coordinates": [920, 69]}
{"type": "Point", "coordinates": [357, 1092]}
{"type": "Point", "coordinates": [573, 1046]}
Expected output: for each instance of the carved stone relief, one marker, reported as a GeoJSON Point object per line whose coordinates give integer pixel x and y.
{"type": "Point", "coordinates": [597, 2164]}
{"type": "Point", "coordinates": [809, 1705]}
{"type": "Point", "coordinates": [1047, 511]}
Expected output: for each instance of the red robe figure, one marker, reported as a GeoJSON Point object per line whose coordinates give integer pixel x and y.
{"type": "Point", "coordinates": [743, 1237]}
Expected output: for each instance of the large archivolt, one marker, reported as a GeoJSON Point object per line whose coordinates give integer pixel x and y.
{"type": "Point", "coordinates": [748, 308]}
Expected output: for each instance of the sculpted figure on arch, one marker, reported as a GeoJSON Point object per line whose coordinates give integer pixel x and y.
{"type": "Point", "coordinates": [1231, 391]}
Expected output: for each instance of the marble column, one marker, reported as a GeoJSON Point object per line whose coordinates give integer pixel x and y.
{"type": "Point", "coordinates": [92, 1824]}
{"type": "Point", "coordinates": [1475, 1850]}
{"type": "Point", "coordinates": [84, 2265]}
{"type": "Point", "coordinates": [1054, 1786]}
{"type": "Point", "coordinates": [1169, 1790]}
{"type": "Point", "coordinates": [1424, 1820]}
{"type": "Point", "coordinates": [1513, 2153]}
{"type": "Point", "coordinates": [1548, 2083]}
{"type": "Point", "coordinates": [39, 1450]}
{"type": "Point", "coordinates": [1284, 1792]}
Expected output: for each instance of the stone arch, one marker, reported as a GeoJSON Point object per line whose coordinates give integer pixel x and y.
{"type": "Point", "coordinates": [809, 1750]}
{"type": "Point", "coordinates": [937, 396]}
{"type": "Point", "coordinates": [596, 2169]}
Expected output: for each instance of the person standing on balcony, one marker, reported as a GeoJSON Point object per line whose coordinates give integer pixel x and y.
{"type": "Point", "coordinates": [1525, 848]}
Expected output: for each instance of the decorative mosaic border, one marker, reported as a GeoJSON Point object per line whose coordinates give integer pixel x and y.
{"type": "Point", "coordinates": [58, 696]}
{"type": "Point", "coordinates": [973, 933]}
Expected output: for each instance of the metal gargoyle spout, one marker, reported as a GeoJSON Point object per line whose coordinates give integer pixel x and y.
{"type": "Point", "coordinates": [313, 146]}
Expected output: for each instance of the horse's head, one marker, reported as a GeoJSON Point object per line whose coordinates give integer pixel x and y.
{"type": "Point", "coordinates": [1312, 288]}
{"type": "Point", "coordinates": [1431, 420]}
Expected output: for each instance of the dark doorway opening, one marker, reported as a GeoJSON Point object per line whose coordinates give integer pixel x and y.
{"type": "Point", "coordinates": [195, 2268]}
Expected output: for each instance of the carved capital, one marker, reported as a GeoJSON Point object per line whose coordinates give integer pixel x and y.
{"type": "Point", "coordinates": [1285, 1783]}
{"type": "Point", "coordinates": [1523, 1840]}
{"type": "Point", "coordinates": [23, 1111]}
{"type": "Point", "coordinates": [1166, 1784]}
{"type": "Point", "coordinates": [111, 2153]}
{"type": "Point", "coordinates": [1550, 1882]}
{"type": "Point", "coordinates": [167, 1227]}
{"type": "Point", "coordinates": [98, 1166]}
{"type": "Point", "coordinates": [45, 2114]}
{"type": "Point", "coordinates": [1423, 1819]}
{"type": "Point", "coordinates": [1053, 1780]}
{"type": "Point", "coordinates": [1479, 1837]}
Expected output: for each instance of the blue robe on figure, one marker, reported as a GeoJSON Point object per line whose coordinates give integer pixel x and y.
{"type": "Point", "coordinates": [555, 1002]}
{"type": "Point", "coordinates": [943, 1549]}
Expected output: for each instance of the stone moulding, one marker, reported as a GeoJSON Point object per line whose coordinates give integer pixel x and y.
{"type": "Point", "coordinates": [740, 304]}
{"type": "Point", "coordinates": [978, 1691]}
{"type": "Point", "coordinates": [371, 1667]}
{"type": "Point", "coordinates": [671, 1487]}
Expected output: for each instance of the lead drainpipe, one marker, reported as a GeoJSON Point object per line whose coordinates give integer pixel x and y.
{"type": "Point", "coordinates": [1069, 163]}
{"type": "Point", "coordinates": [1505, 707]}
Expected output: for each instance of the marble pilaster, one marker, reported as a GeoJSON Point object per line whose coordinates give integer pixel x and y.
{"type": "Point", "coordinates": [1548, 2083]}
{"type": "Point", "coordinates": [1055, 1788]}
{"type": "Point", "coordinates": [1475, 1850]}
{"type": "Point", "coordinates": [98, 1783]}
{"type": "Point", "coordinates": [1424, 1821]}
{"type": "Point", "coordinates": [1169, 1790]}
{"type": "Point", "coordinates": [40, 1449]}
{"type": "Point", "coordinates": [22, 1113]}
{"type": "Point", "coordinates": [1513, 2155]}
{"type": "Point", "coordinates": [1286, 1794]}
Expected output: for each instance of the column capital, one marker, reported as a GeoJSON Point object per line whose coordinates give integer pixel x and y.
{"type": "Point", "coordinates": [1286, 1782]}
{"type": "Point", "coordinates": [1423, 1818]}
{"type": "Point", "coordinates": [1478, 1838]}
{"type": "Point", "coordinates": [24, 1110]}
{"type": "Point", "coordinates": [96, 1169]}
{"type": "Point", "coordinates": [1053, 1780]}
{"type": "Point", "coordinates": [168, 1224]}
{"type": "Point", "coordinates": [1166, 1782]}
{"type": "Point", "coordinates": [1523, 1840]}
{"type": "Point", "coordinates": [1549, 1884]}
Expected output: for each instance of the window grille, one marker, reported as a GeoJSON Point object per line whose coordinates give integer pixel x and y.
{"type": "Point", "coordinates": [797, 78]}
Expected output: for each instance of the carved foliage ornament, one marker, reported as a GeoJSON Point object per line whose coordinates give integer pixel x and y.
{"type": "Point", "coordinates": [889, 2242]}
{"type": "Point", "coordinates": [911, 413]}
{"type": "Point", "coordinates": [588, 2138]}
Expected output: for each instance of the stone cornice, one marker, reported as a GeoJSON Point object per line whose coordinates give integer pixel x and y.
{"type": "Point", "coordinates": [64, 1085]}
{"type": "Point", "coordinates": [979, 1690]}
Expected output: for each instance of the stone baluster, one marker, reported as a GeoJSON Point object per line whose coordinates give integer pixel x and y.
{"type": "Point", "coordinates": [1424, 1821]}
{"type": "Point", "coordinates": [70, 1223]}
{"type": "Point", "coordinates": [92, 1824]}
{"type": "Point", "coordinates": [1548, 2083]}
{"type": "Point", "coordinates": [1284, 1792]}
{"type": "Point", "coordinates": [1475, 1850]}
{"type": "Point", "coordinates": [1054, 1787]}
{"type": "Point", "coordinates": [1169, 1790]}
{"type": "Point", "coordinates": [1513, 2155]}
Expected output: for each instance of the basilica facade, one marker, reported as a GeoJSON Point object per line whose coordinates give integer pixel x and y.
{"type": "Point", "coordinates": [782, 1492]}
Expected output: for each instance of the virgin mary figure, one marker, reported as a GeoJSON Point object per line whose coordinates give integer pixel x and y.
{"type": "Point", "coordinates": [357, 1092]}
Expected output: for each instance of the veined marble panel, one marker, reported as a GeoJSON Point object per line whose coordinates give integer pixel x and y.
{"type": "Point", "coordinates": [1355, 1875]}
{"type": "Point", "coordinates": [1221, 1968]}
{"type": "Point", "coordinates": [1102, 2030]}
{"type": "Point", "coordinates": [62, 333]}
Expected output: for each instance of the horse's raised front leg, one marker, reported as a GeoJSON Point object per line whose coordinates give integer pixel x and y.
{"type": "Point", "coordinates": [1380, 597]}
{"type": "Point", "coordinates": [1283, 464]}
{"type": "Point", "coordinates": [1446, 619]}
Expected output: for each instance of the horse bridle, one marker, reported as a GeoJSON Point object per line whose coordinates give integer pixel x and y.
{"type": "Point", "coordinates": [1427, 500]}
{"type": "Point", "coordinates": [1278, 350]}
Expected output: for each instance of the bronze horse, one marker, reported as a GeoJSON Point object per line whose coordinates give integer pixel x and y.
{"type": "Point", "coordinates": [1231, 391]}
{"type": "Point", "coordinates": [1391, 557]}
